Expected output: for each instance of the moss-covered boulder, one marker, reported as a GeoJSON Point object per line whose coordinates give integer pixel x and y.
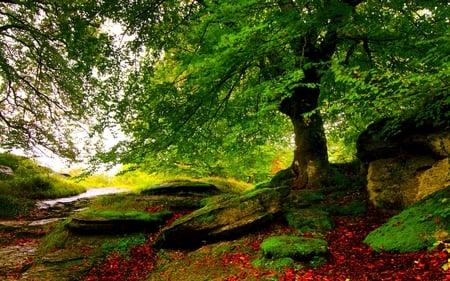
{"type": "Point", "coordinates": [300, 249]}
{"type": "Point", "coordinates": [113, 222]}
{"type": "Point", "coordinates": [417, 227]}
{"type": "Point", "coordinates": [222, 218]}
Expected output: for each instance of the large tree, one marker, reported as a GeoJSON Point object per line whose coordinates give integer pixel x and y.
{"type": "Point", "coordinates": [53, 56]}
{"type": "Point", "coordinates": [215, 73]}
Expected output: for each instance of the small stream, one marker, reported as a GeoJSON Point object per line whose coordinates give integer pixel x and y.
{"type": "Point", "coordinates": [90, 193]}
{"type": "Point", "coordinates": [19, 239]}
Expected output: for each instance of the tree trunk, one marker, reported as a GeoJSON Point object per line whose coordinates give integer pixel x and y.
{"type": "Point", "coordinates": [310, 164]}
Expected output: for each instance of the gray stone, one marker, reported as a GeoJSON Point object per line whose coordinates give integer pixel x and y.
{"type": "Point", "coordinates": [404, 167]}
{"type": "Point", "coordinates": [6, 170]}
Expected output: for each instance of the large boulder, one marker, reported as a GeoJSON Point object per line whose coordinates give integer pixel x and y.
{"type": "Point", "coordinates": [404, 167]}
{"type": "Point", "coordinates": [223, 217]}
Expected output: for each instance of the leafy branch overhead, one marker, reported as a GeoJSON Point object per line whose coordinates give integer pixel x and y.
{"type": "Point", "coordinates": [192, 82]}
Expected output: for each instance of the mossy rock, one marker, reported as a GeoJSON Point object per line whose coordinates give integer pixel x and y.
{"type": "Point", "coordinates": [307, 220]}
{"type": "Point", "coordinates": [304, 198]}
{"type": "Point", "coordinates": [113, 222]}
{"type": "Point", "coordinates": [222, 218]}
{"type": "Point", "coordinates": [417, 227]}
{"type": "Point", "coordinates": [294, 247]}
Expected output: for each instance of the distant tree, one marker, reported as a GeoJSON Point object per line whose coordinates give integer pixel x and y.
{"type": "Point", "coordinates": [215, 75]}
{"type": "Point", "coordinates": [52, 55]}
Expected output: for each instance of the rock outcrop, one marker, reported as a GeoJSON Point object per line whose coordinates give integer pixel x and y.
{"type": "Point", "coordinates": [223, 217]}
{"type": "Point", "coordinates": [404, 167]}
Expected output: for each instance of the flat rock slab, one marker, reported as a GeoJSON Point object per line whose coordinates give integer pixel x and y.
{"type": "Point", "coordinates": [182, 188]}
{"type": "Point", "coordinates": [222, 219]}
{"type": "Point", "coordinates": [112, 222]}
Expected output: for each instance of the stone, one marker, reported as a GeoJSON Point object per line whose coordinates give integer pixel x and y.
{"type": "Point", "coordinates": [113, 222]}
{"type": "Point", "coordinates": [403, 168]}
{"type": "Point", "coordinates": [222, 219]}
{"type": "Point", "coordinates": [6, 170]}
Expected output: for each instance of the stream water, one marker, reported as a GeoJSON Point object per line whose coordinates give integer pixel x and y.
{"type": "Point", "coordinates": [19, 238]}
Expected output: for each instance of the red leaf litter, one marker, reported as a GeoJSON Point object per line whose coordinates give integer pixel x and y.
{"type": "Point", "coordinates": [351, 259]}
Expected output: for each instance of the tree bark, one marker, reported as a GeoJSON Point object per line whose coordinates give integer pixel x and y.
{"type": "Point", "coordinates": [310, 164]}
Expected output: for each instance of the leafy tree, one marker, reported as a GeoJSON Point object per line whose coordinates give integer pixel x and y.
{"type": "Point", "coordinates": [202, 81]}
{"type": "Point", "coordinates": [220, 70]}
{"type": "Point", "coordinates": [52, 56]}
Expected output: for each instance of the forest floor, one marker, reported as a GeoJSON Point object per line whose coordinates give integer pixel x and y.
{"type": "Point", "coordinates": [349, 259]}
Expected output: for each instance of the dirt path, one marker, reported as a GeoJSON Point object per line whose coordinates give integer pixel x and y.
{"type": "Point", "coordinates": [19, 239]}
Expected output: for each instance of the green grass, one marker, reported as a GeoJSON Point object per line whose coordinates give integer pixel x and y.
{"type": "Point", "coordinates": [124, 245]}
{"type": "Point", "coordinates": [417, 227]}
{"type": "Point", "coordinates": [56, 237]}
{"type": "Point", "coordinates": [30, 181]}
{"type": "Point", "coordinates": [138, 180]}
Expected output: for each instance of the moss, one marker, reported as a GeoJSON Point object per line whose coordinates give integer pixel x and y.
{"type": "Point", "coordinates": [415, 228]}
{"type": "Point", "coordinates": [297, 248]}
{"type": "Point", "coordinates": [304, 198]}
{"type": "Point", "coordinates": [354, 208]}
{"type": "Point", "coordinates": [124, 215]}
{"type": "Point", "coordinates": [56, 237]}
{"type": "Point", "coordinates": [306, 220]}
{"type": "Point", "coordinates": [123, 245]}
{"type": "Point", "coordinates": [274, 264]}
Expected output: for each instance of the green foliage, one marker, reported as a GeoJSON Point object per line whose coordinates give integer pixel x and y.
{"type": "Point", "coordinates": [31, 181]}
{"type": "Point", "coordinates": [51, 57]}
{"type": "Point", "coordinates": [387, 74]}
{"type": "Point", "coordinates": [13, 207]}
{"type": "Point", "coordinates": [417, 227]}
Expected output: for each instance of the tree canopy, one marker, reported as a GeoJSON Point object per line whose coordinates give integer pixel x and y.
{"type": "Point", "coordinates": [52, 55]}
{"type": "Point", "coordinates": [203, 80]}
